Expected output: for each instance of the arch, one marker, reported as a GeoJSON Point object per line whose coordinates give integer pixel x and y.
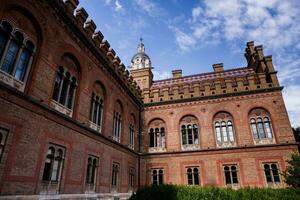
{"type": "Point", "coordinates": [119, 106]}
{"type": "Point", "coordinates": [156, 121]}
{"type": "Point", "coordinates": [99, 88]}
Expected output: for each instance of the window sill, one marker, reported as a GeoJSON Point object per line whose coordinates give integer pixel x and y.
{"type": "Point", "coordinates": [225, 145]}
{"type": "Point", "coordinates": [188, 147]}
{"type": "Point", "coordinates": [94, 126]}
{"type": "Point", "coordinates": [274, 185]}
{"type": "Point", "coordinates": [130, 146]}
{"type": "Point", "coordinates": [157, 149]}
{"type": "Point", "coordinates": [116, 139]}
{"type": "Point", "coordinates": [233, 186]}
{"type": "Point", "coordinates": [61, 108]}
{"type": "Point", "coordinates": [264, 141]}
{"type": "Point", "coordinates": [11, 81]}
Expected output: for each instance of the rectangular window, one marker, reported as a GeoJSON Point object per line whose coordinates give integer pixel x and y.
{"type": "Point", "coordinates": [117, 126]}
{"type": "Point", "coordinates": [231, 174]}
{"type": "Point", "coordinates": [131, 136]}
{"type": "Point", "coordinates": [115, 175]}
{"type": "Point", "coordinates": [272, 173]}
{"type": "Point", "coordinates": [193, 175]}
{"type": "Point", "coordinates": [157, 176]}
{"type": "Point", "coordinates": [3, 137]}
{"type": "Point", "coordinates": [131, 177]}
{"type": "Point", "coordinates": [91, 170]}
{"type": "Point", "coordinates": [54, 163]}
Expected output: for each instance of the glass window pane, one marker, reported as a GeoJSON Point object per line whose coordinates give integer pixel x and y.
{"type": "Point", "coordinates": [267, 127]}
{"type": "Point", "coordinates": [268, 173]}
{"type": "Point", "coordinates": [55, 169]}
{"type": "Point", "coordinates": [261, 129]}
{"type": "Point", "coordinates": [64, 89]}
{"type": "Point", "coordinates": [254, 130]}
{"type": "Point", "coordinates": [227, 177]}
{"type": "Point", "coordinates": [196, 177]}
{"type": "Point", "coordinates": [3, 41]}
{"type": "Point", "coordinates": [22, 65]}
{"type": "Point", "coordinates": [183, 132]}
{"type": "Point", "coordinates": [71, 94]}
{"type": "Point", "coordinates": [230, 133]}
{"type": "Point", "coordinates": [190, 135]}
{"type": "Point", "coordinates": [10, 57]}
{"type": "Point", "coordinates": [160, 177]}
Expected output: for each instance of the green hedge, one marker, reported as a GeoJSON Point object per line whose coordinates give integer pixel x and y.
{"type": "Point", "coordinates": [178, 192]}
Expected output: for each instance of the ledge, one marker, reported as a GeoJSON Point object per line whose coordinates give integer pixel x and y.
{"type": "Point", "coordinates": [221, 149]}
{"type": "Point", "coordinates": [257, 91]}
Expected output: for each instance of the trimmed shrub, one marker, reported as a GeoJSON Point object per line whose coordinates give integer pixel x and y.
{"type": "Point", "coordinates": [181, 192]}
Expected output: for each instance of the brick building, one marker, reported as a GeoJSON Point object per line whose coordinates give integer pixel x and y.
{"type": "Point", "coordinates": [74, 123]}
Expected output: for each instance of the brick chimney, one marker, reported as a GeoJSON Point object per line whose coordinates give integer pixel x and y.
{"type": "Point", "coordinates": [218, 67]}
{"type": "Point", "coordinates": [177, 73]}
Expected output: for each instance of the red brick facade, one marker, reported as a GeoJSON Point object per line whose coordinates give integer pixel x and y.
{"type": "Point", "coordinates": [32, 122]}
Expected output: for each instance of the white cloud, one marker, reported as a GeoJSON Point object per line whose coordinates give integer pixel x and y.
{"type": "Point", "coordinates": [149, 7]}
{"type": "Point", "coordinates": [159, 75]}
{"type": "Point", "coordinates": [196, 12]}
{"type": "Point", "coordinates": [118, 6]}
{"type": "Point", "coordinates": [292, 103]}
{"type": "Point", "coordinates": [271, 22]}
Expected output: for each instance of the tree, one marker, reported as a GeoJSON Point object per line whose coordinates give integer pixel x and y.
{"type": "Point", "coordinates": [292, 172]}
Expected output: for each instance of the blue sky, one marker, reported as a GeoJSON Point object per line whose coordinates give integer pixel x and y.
{"type": "Point", "coordinates": [193, 35]}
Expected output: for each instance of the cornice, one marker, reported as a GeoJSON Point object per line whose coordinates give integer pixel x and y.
{"type": "Point", "coordinates": [208, 99]}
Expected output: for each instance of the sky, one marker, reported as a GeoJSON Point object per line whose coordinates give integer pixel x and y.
{"type": "Point", "coordinates": [194, 34]}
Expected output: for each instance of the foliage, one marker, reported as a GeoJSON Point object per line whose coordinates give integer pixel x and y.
{"type": "Point", "coordinates": [180, 192]}
{"type": "Point", "coordinates": [292, 172]}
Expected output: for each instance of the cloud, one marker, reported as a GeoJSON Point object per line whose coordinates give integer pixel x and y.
{"type": "Point", "coordinates": [149, 7]}
{"type": "Point", "coordinates": [272, 22]}
{"type": "Point", "coordinates": [118, 6]}
{"type": "Point", "coordinates": [159, 75]}
{"type": "Point", "coordinates": [292, 103]}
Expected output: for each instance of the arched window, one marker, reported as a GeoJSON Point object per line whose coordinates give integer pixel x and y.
{"type": "Point", "coordinates": [117, 122]}
{"type": "Point", "coordinates": [157, 135]}
{"type": "Point", "coordinates": [231, 174]}
{"type": "Point", "coordinates": [193, 175]}
{"type": "Point", "coordinates": [260, 125]}
{"type": "Point", "coordinates": [65, 85]}
{"type": "Point", "coordinates": [53, 164]}
{"type": "Point", "coordinates": [97, 107]}
{"type": "Point", "coordinates": [16, 52]}
{"type": "Point", "coordinates": [224, 130]}
{"type": "Point", "coordinates": [189, 132]}
{"type": "Point", "coordinates": [272, 173]}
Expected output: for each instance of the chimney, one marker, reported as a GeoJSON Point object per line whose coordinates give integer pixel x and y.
{"type": "Point", "coordinates": [177, 73]}
{"type": "Point", "coordinates": [218, 67]}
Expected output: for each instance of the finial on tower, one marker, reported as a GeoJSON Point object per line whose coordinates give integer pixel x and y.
{"type": "Point", "coordinates": [141, 39]}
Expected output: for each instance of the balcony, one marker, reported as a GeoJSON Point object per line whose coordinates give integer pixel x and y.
{"type": "Point", "coordinates": [11, 81]}
{"type": "Point", "coordinates": [61, 108]}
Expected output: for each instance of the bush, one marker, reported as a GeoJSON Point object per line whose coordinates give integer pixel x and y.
{"type": "Point", "coordinates": [292, 172]}
{"type": "Point", "coordinates": [180, 192]}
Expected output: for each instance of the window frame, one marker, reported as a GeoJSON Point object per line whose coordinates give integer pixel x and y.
{"type": "Point", "coordinates": [231, 176]}
{"type": "Point", "coordinates": [192, 173]}
{"type": "Point", "coordinates": [159, 176]}
{"type": "Point", "coordinates": [22, 47]}
{"type": "Point", "coordinates": [273, 182]}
